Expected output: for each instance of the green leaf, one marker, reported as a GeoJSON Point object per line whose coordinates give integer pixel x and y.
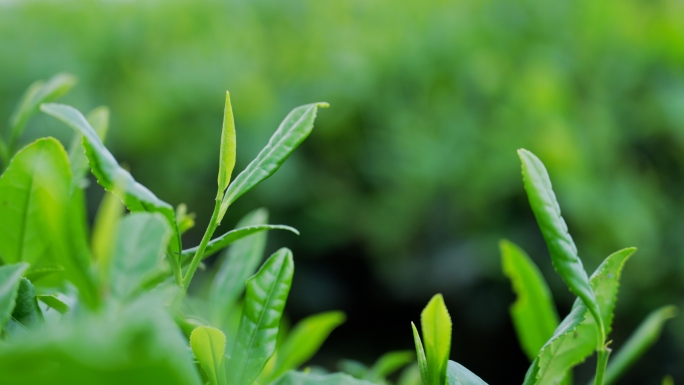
{"type": "Point", "coordinates": [54, 302]}
{"type": "Point", "coordinates": [37, 93]}
{"type": "Point", "coordinates": [299, 378]}
{"type": "Point", "coordinates": [10, 277]}
{"type": "Point", "coordinates": [353, 368]}
{"type": "Point", "coordinates": [26, 314]}
{"type": "Point", "coordinates": [304, 341]}
{"type": "Point", "coordinates": [420, 353]}
{"type": "Point", "coordinates": [668, 380]}
{"type": "Point", "coordinates": [576, 337]}
{"type": "Point", "coordinates": [140, 245]}
{"type": "Point", "coordinates": [227, 156]}
{"type": "Point", "coordinates": [265, 299]}
{"type": "Point", "coordinates": [562, 248]}
{"type": "Point", "coordinates": [389, 363]}
{"type": "Point", "coordinates": [457, 374]}
{"type": "Point", "coordinates": [110, 175]}
{"type": "Point", "coordinates": [99, 120]}
{"type": "Point", "coordinates": [239, 263]}
{"type": "Point", "coordinates": [289, 135]}
{"type": "Point", "coordinates": [410, 376]}
{"type": "Point", "coordinates": [105, 226]}
{"type": "Point", "coordinates": [436, 325]}
{"type": "Point", "coordinates": [534, 314]}
{"type": "Point", "coordinates": [209, 345]}
{"type": "Point", "coordinates": [219, 243]}
{"type": "Point", "coordinates": [643, 338]}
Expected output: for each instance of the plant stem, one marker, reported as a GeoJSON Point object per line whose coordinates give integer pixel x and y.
{"type": "Point", "coordinates": [194, 264]}
{"type": "Point", "coordinates": [601, 363]}
{"type": "Point", "coordinates": [175, 266]}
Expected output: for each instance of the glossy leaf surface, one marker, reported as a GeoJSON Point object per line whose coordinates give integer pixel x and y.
{"type": "Point", "coordinates": [289, 135]}
{"type": "Point", "coordinates": [10, 276]}
{"type": "Point", "coordinates": [227, 155]}
{"type": "Point", "coordinates": [265, 299]}
{"type": "Point", "coordinates": [534, 313]}
{"type": "Point", "coordinates": [562, 248]}
{"type": "Point", "coordinates": [209, 345]}
{"type": "Point", "coordinates": [457, 374]}
{"type": "Point", "coordinates": [436, 324]}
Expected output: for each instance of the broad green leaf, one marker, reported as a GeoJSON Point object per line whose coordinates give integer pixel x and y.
{"type": "Point", "coordinates": [534, 314]}
{"type": "Point", "coordinates": [99, 120]}
{"type": "Point", "coordinates": [227, 156]}
{"type": "Point", "coordinates": [562, 248]}
{"type": "Point", "coordinates": [134, 345]}
{"type": "Point", "coordinates": [219, 243]}
{"type": "Point", "coordinates": [576, 337]}
{"type": "Point", "coordinates": [10, 276]}
{"type": "Point", "coordinates": [54, 302]}
{"type": "Point", "coordinates": [209, 345]}
{"type": "Point", "coordinates": [26, 314]}
{"type": "Point", "coordinates": [238, 264]}
{"type": "Point", "coordinates": [140, 243]}
{"type": "Point", "coordinates": [643, 338]}
{"type": "Point", "coordinates": [299, 378]}
{"type": "Point", "coordinates": [265, 299]}
{"type": "Point", "coordinates": [457, 374]}
{"type": "Point", "coordinates": [109, 174]}
{"type": "Point", "coordinates": [37, 93]}
{"type": "Point", "coordinates": [389, 363]}
{"type": "Point", "coordinates": [289, 135]}
{"type": "Point", "coordinates": [436, 325]}
{"type": "Point", "coordinates": [420, 353]}
{"type": "Point", "coordinates": [36, 225]}
{"type": "Point", "coordinates": [303, 342]}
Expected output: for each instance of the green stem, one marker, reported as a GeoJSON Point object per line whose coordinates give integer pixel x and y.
{"type": "Point", "coordinates": [175, 266]}
{"type": "Point", "coordinates": [194, 264]}
{"type": "Point", "coordinates": [601, 364]}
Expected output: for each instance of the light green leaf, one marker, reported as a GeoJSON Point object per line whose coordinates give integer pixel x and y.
{"type": "Point", "coordinates": [237, 265]}
{"type": "Point", "coordinates": [410, 376]}
{"type": "Point", "coordinates": [219, 243]}
{"type": "Point", "coordinates": [209, 345]}
{"type": "Point", "coordinates": [10, 276]}
{"type": "Point", "coordinates": [26, 314]}
{"type": "Point", "coordinates": [299, 378]}
{"type": "Point", "coordinates": [265, 299]}
{"type": "Point", "coordinates": [389, 363]}
{"type": "Point", "coordinates": [227, 156]}
{"type": "Point", "coordinates": [576, 338]}
{"type": "Point", "coordinates": [353, 368]}
{"type": "Point", "coordinates": [562, 248]}
{"type": "Point", "coordinates": [99, 120]}
{"type": "Point", "coordinates": [39, 92]}
{"type": "Point", "coordinates": [457, 374]}
{"type": "Point", "coordinates": [420, 353]}
{"type": "Point", "coordinates": [109, 174]}
{"type": "Point", "coordinates": [534, 314]}
{"type": "Point", "coordinates": [436, 325]}
{"type": "Point", "coordinates": [643, 338]}
{"type": "Point", "coordinates": [303, 342]}
{"type": "Point", "coordinates": [54, 302]}
{"type": "Point", "coordinates": [140, 243]}
{"type": "Point", "coordinates": [289, 135]}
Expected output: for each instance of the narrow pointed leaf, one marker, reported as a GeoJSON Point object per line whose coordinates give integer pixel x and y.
{"type": "Point", "coordinates": [109, 174]}
{"type": "Point", "coordinates": [208, 345]}
{"type": "Point", "coordinates": [534, 314]}
{"type": "Point", "coordinates": [457, 374]}
{"type": "Point", "coordinates": [289, 135]}
{"type": "Point", "coordinates": [265, 299]}
{"type": "Point", "coordinates": [227, 156]}
{"type": "Point", "coordinates": [389, 363]}
{"type": "Point", "coordinates": [140, 244]}
{"type": "Point", "coordinates": [26, 314]}
{"type": "Point", "coordinates": [99, 120]}
{"type": "Point", "coordinates": [643, 338]}
{"type": "Point", "coordinates": [436, 325]}
{"type": "Point", "coordinates": [299, 378]}
{"type": "Point", "coordinates": [420, 354]}
{"type": "Point", "coordinates": [10, 276]}
{"type": "Point", "coordinates": [54, 302]}
{"type": "Point", "coordinates": [562, 248]}
{"type": "Point", "coordinates": [576, 337]}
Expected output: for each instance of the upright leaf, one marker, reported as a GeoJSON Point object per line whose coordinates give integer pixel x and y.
{"type": "Point", "coordinates": [420, 353]}
{"type": "Point", "coordinates": [457, 374]}
{"type": "Point", "coordinates": [238, 264]}
{"type": "Point", "coordinates": [99, 120]}
{"type": "Point", "coordinates": [643, 338]}
{"type": "Point", "coordinates": [109, 174]}
{"type": "Point", "coordinates": [289, 135]}
{"type": "Point", "coordinates": [576, 337]}
{"type": "Point", "coordinates": [265, 299]}
{"type": "Point", "coordinates": [227, 156]}
{"type": "Point", "coordinates": [299, 378]}
{"type": "Point", "coordinates": [10, 276]}
{"type": "Point", "coordinates": [534, 314]}
{"type": "Point", "coordinates": [26, 314]}
{"type": "Point", "coordinates": [562, 248]}
{"type": "Point", "coordinates": [436, 325]}
{"type": "Point", "coordinates": [209, 345]}
{"type": "Point", "coordinates": [140, 243]}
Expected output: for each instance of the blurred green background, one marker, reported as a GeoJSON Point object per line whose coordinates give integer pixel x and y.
{"type": "Point", "coordinates": [411, 177]}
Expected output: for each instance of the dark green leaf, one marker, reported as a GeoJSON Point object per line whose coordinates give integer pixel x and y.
{"type": "Point", "coordinates": [457, 374]}
{"type": "Point", "coordinates": [10, 276]}
{"type": "Point", "coordinates": [26, 311]}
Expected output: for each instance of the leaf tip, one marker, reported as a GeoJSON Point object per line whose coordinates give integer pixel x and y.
{"type": "Point", "coordinates": [322, 104]}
